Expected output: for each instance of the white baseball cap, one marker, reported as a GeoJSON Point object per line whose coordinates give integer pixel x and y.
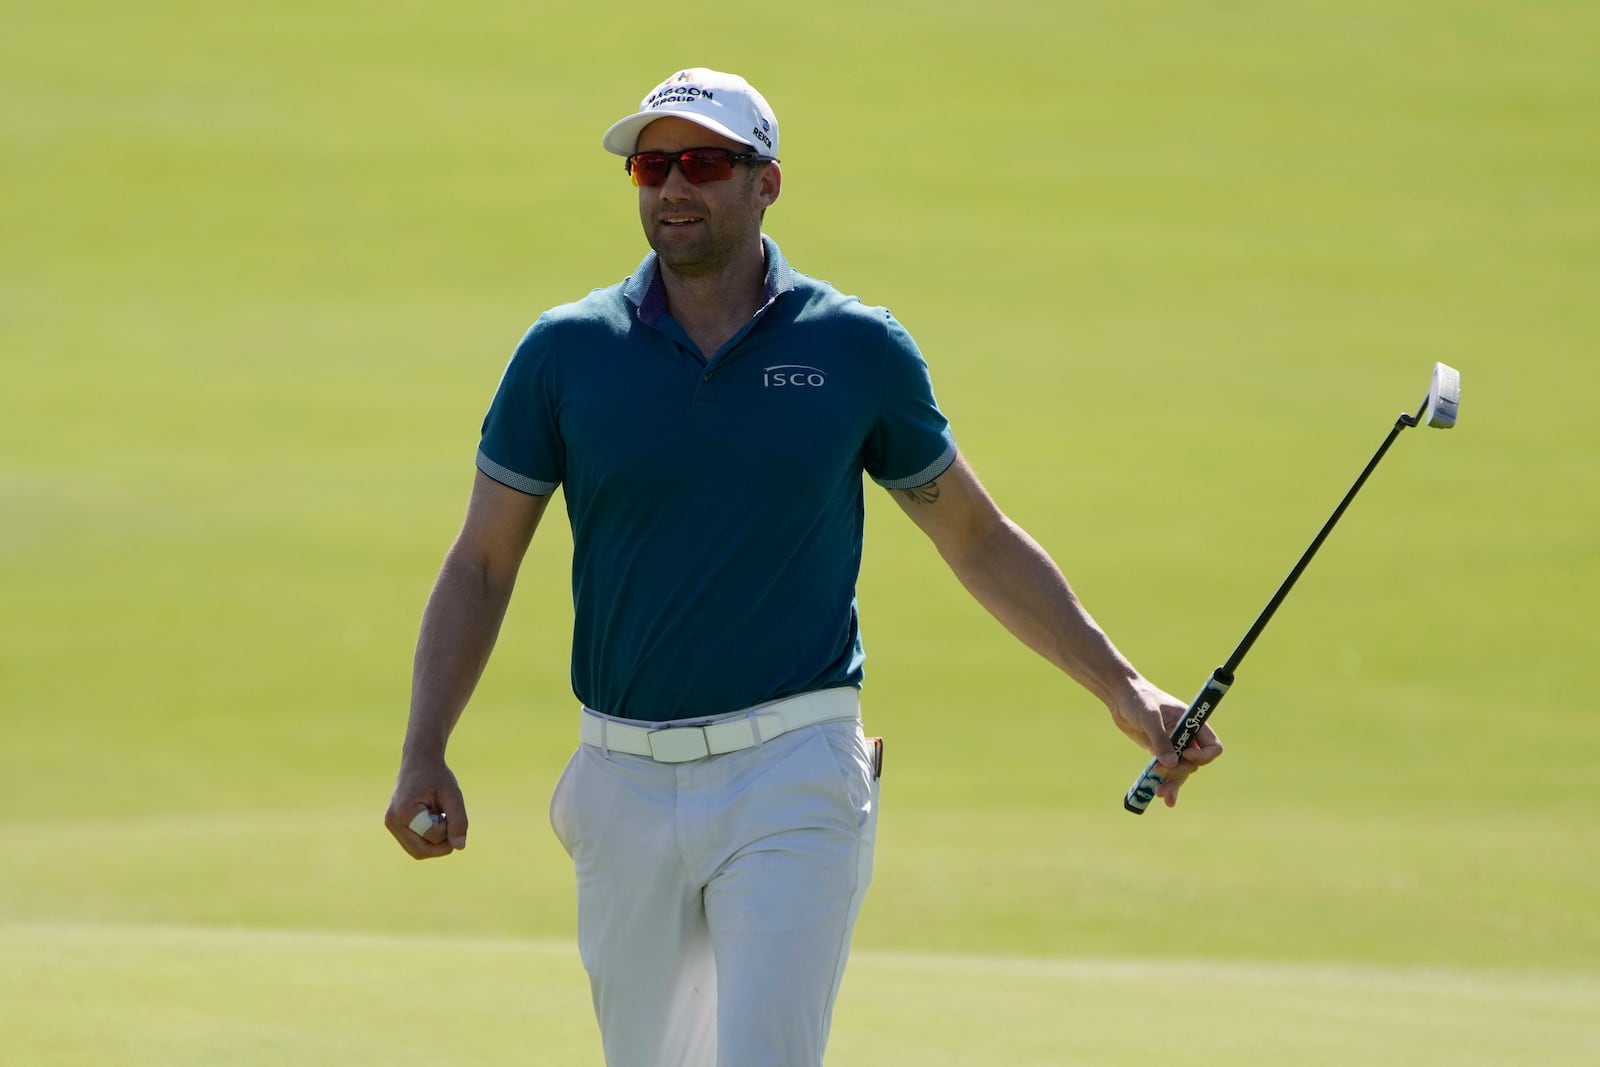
{"type": "Point", "coordinates": [722, 103]}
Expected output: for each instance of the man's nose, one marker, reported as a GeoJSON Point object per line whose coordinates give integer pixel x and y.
{"type": "Point", "coordinates": [676, 187]}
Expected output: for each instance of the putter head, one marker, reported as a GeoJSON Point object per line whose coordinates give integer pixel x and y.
{"type": "Point", "coordinates": [1443, 401]}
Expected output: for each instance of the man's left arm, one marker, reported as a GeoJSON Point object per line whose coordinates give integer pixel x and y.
{"type": "Point", "coordinates": [1007, 572]}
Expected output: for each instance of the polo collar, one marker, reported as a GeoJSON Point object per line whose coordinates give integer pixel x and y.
{"type": "Point", "coordinates": [645, 291]}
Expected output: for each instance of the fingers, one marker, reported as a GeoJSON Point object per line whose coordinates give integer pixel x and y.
{"type": "Point", "coordinates": [1204, 747]}
{"type": "Point", "coordinates": [430, 821]}
{"type": "Point", "coordinates": [454, 810]}
{"type": "Point", "coordinates": [1172, 780]}
{"type": "Point", "coordinates": [1144, 723]}
{"type": "Point", "coordinates": [1201, 750]}
{"type": "Point", "coordinates": [1148, 716]}
{"type": "Point", "coordinates": [1153, 735]}
{"type": "Point", "coordinates": [402, 822]}
{"type": "Point", "coordinates": [431, 826]}
{"type": "Point", "coordinates": [1160, 746]}
{"type": "Point", "coordinates": [1161, 734]}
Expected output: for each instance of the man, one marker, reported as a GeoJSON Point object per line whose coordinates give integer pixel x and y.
{"type": "Point", "coordinates": [711, 418]}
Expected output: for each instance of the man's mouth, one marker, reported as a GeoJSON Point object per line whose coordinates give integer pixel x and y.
{"type": "Point", "coordinates": [679, 220]}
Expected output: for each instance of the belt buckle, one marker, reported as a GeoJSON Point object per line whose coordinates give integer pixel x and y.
{"type": "Point", "coordinates": [678, 744]}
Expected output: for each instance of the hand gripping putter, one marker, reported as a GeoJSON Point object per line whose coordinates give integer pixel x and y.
{"type": "Point", "coordinates": [1438, 409]}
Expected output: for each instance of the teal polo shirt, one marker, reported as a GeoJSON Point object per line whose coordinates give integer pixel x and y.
{"type": "Point", "coordinates": [716, 503]}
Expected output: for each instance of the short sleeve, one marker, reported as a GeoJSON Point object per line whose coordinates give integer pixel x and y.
{"type": "Point", "coordinates": [910, 443]}
{"type": "Point", "coordinates": [521, 445]}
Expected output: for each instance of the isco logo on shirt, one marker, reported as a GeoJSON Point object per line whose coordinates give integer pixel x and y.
{"type": "Point", "coordinates": [792, 376]}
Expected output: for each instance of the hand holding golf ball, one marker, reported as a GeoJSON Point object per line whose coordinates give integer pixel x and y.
{"type": "Point", "coordinates": [426, 814]}
{"type": "Point", "coordinates": [427, 833]}
{"type": "Point", "coordinates": [424, 821]}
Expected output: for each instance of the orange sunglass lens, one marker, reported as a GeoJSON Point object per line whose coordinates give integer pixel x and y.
{"type": "Point", "coordinates": [650, 169]}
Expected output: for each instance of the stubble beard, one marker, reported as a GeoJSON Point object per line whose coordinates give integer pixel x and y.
{"type": "Point", "coordinates": [705, 251]}
{"type": "Point", "coordinates": [707, 246]}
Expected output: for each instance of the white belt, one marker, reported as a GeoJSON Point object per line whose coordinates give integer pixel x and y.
{"type": "Point", "coordinates": [680, 743]}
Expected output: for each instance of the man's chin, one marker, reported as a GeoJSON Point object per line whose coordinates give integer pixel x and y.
{"type": "Point", "coordinates": [682, 252]}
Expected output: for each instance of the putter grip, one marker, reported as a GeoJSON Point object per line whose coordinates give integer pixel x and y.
{"type": "Point", "coordinates": [1205, 702]}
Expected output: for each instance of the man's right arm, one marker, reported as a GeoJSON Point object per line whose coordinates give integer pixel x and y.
{"type": "Point", "coordinates": [459, 628]}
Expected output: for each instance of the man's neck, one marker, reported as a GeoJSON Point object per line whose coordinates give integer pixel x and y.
{"type": "Point", "coordinates": [712, 307]}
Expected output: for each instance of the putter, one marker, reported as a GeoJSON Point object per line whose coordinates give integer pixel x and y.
{"type": "Point", "coordinates": [1439, 410]}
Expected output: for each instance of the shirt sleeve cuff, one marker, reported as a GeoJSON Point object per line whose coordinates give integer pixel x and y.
{"type": "Point", "coordinates": [511, 479]}
{"type": "Point", "coordinates": [925, 475]}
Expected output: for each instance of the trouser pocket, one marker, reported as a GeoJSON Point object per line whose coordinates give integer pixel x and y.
{"type": "Point", "coordinates": [561, 808]}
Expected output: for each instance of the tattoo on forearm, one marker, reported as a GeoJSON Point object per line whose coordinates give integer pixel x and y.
{"type": "Point", "coordinates": [923, 494]}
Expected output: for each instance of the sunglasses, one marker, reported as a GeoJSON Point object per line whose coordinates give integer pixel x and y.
{"type": "Point", "coordinates": [650, 169]}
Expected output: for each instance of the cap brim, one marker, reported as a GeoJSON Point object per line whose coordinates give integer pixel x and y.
{"type": "Point", "coordinates": [622, 138]}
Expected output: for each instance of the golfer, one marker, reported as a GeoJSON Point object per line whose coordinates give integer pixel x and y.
{"type": "Point", "coordinates": [710, 419]}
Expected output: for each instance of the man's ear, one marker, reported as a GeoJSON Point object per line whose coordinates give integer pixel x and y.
{"type": "Point", "coordinates": [771, 184]}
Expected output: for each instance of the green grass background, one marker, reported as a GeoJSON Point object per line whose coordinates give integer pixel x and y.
{"type": "Point", "coordinates": [1176, 267]}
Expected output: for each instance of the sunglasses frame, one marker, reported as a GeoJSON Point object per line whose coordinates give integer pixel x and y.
{"type": "Point", "coordinates": [728, 155]}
